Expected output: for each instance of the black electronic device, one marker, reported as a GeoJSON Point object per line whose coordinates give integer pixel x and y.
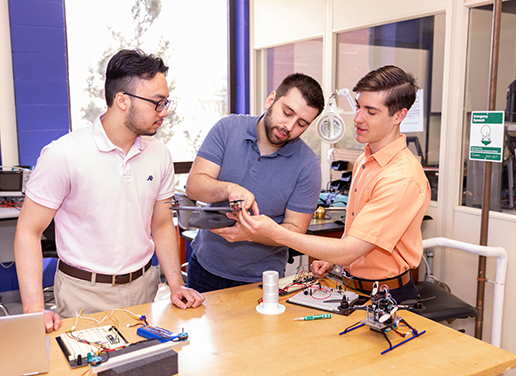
{"type": "Point", "coordinates": [339, 165]}
{"type": "Point", "coordinates": [206, 217]}
{"type": "Point", "coordinates": [12, 181]}
{"type": "Point", "coordinates": [209, 219]}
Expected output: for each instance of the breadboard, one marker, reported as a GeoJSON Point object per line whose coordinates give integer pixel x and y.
{"type": "Point", "coordinates": [325, 300]}
{"type": "Point", "coordinates": [76, 349]}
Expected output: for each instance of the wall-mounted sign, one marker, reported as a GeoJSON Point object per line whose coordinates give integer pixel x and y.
{"type": "Point", "coordinates": [486, 136]}
{"type": "Point", "coordinates": [414, 120]}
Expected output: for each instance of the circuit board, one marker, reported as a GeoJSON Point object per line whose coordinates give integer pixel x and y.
{"type": "Point", "coordinates": [324, 299]}
{"type": "Point", "coordinates": [95, 341]}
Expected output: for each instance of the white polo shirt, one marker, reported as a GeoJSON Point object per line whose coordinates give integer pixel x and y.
{"type": "Point", "coordinates": [103, 197]}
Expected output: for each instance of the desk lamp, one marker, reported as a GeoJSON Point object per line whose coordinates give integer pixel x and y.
{"type": "Point", "coordinates": [330, 126]}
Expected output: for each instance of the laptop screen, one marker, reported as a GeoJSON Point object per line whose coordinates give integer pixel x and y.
{"type": "Point", "coordinates": [11, 183]}
{"type": "Point", "coordinates": [23, 344]}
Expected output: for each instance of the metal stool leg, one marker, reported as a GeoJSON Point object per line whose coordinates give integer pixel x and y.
{"type": "Point", "coordinates": [510, 175]}
{"type": "Point", "coordinates": [3, 308]}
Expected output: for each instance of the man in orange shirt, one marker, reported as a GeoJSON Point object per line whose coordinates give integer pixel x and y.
{"type": "Point", "coordinates": [388, 197]}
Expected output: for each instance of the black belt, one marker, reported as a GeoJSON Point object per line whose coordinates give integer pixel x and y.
{"type": "Point", "coordinates": [103, 278]}
{"type": "Point", "coordinates": [367, 284]}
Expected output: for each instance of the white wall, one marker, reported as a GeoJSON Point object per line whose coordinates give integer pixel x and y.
{"type": "Point", "coordinates": [280, 21]}
{"type": "Point", "coordinates": [8, 139]}
{"type": "Point", "coordinates": [300, 18]}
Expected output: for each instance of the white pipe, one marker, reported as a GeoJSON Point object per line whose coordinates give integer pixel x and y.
{"type": "Point", "coordinates": [501, 271]}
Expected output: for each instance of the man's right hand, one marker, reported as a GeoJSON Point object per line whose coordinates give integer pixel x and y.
{"type": "Point", "coordinates": [321, 269]}
{"type": "Point", "coordinates": [240, 193]}
{"type": "Point", "coordinates": [52, 321]}
{"type": "Point", "coordinates": [32, 221]}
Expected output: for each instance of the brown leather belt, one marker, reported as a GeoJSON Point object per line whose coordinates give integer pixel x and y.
{"type": "Point", "coordinates": [103, 278]}
{"type": "Point", "coordinates": [367, 284]}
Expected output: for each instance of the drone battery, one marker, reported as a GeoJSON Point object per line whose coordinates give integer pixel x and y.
{"type": "Point", "coordinates": [155, 332]}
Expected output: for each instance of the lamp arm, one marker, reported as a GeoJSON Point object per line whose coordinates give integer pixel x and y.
{"type": "Point", "coordinates": [345, 93]}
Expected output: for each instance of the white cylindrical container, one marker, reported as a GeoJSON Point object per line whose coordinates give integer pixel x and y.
{"type": "Point", "coordinates": [270, 305]}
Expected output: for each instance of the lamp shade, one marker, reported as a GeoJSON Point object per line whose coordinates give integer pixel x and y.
{"type": "Point", "coordinates": [330, 126]}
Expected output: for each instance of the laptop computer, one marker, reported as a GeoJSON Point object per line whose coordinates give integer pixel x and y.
{"type": "Point", "coordinates": [24, 346]}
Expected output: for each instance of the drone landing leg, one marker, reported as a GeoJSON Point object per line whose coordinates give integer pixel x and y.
{"type": "Point", "coordinates": [414, 331]}
{"type": "Point", "coordinates": [402, 342]}
{"type": "Point", "coordinates": [387, 338]}
{"type": "Point", "coordinates": [415, 334]}
{"type": "Point", "coordinates": [352, 327]}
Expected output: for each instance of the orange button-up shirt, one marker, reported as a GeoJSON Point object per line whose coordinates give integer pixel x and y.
{"type": "Point", "coordinates": [388, 198]}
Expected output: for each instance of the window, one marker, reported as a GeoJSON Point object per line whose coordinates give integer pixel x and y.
{"type": "Point", "coordinates": [416, 46]}
{"type": "Point", "coordinates": [476, 99]}
{"type": "Point", "coordinates": [190, 36]}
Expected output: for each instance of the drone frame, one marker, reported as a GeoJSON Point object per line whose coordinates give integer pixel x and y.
{"type": "Point", "coordinates": [381, 316]}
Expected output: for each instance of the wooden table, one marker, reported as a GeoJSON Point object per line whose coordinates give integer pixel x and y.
{"type": "Point", "coordinates": [229, 337]}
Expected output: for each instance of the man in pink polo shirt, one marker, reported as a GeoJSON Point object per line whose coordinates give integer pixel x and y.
{"type": "Point", "coordinates": [107, 187]}
{"type": "Point", "coordinates": [388, 197]}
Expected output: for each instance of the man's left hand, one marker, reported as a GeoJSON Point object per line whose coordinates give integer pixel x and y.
{"type": "Point", "coordinates": [184, 297]}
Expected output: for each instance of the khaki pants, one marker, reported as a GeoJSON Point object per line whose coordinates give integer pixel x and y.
{"type": "Point", "coordinates": [73, 294]}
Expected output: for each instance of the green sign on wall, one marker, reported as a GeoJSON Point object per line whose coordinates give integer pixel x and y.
{"type": "Point", "coordinates": [486, 136]}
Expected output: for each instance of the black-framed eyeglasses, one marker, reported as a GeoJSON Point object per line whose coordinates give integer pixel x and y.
{"type": "Point", "coordinates": [160, 105]}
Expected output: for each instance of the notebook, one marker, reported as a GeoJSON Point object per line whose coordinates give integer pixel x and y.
{"type": "Point", "coordinates": [24, 345]}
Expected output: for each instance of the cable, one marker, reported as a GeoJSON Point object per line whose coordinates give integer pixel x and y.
{"type": "Point", "coordinates": [133, 315]}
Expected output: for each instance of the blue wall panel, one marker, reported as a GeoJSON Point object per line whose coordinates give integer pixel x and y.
{"type": "Point", "coordinates": [242, 56]}
{"type": "Point", "coordinates": [38, 42]}
{"type": "Point", "coordinates": [40, 93]}
{"type": "Point", "coordinates": [51, 118]}
{"type": "Point", "coordinates": [34, 141]}
{"type": "Point", "coordinates": [48, 13]}
{"type": "Point", "coordinates": [31, 66]}
{"type": "Point", "coordinates": [28, 39]}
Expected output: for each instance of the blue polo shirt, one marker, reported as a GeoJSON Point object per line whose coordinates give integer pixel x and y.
{"type": "Point", "coordinates": [287, 179]}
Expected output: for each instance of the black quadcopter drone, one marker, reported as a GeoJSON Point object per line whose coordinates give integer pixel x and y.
{"type": "Point", "coordinates": [205, 217]}
{"type": "Point", "coordinates": [381, 315]}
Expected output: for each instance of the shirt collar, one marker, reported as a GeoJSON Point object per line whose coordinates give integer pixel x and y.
{"type": "Point", "coordinates": [251, 134]}
{"type": "Point", "coordinates": [385, 154]}
{"type": "Point", "coordinates": [104, 143]}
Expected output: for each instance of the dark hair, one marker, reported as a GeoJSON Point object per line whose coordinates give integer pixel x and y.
{"type": "Point", "coordinates": [309, 88]}
{"type": "Point", "coordinates": [399, 86]}
{"type": "Point", "coordinates": [126, 67]}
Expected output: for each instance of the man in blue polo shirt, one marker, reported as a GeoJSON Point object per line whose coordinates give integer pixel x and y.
{"type": "Point", "coordinates": [262, 161]}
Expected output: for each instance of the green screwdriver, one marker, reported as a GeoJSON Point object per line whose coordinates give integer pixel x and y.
{"type": "Point", "coordinates": [316, 317]}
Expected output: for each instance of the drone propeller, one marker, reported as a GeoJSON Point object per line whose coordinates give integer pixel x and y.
{"type": "Point", "coordinates": [374, 291]}
{"type": "Point", "coordinates": [418, 300]}
{"type": "Point", "coordinates": [387, 316]}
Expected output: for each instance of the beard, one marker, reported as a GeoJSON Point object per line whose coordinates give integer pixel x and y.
{"type": "Point", "coordinates": [270, 130]}
{"type": "Point", "coordinates": [134, 125]}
